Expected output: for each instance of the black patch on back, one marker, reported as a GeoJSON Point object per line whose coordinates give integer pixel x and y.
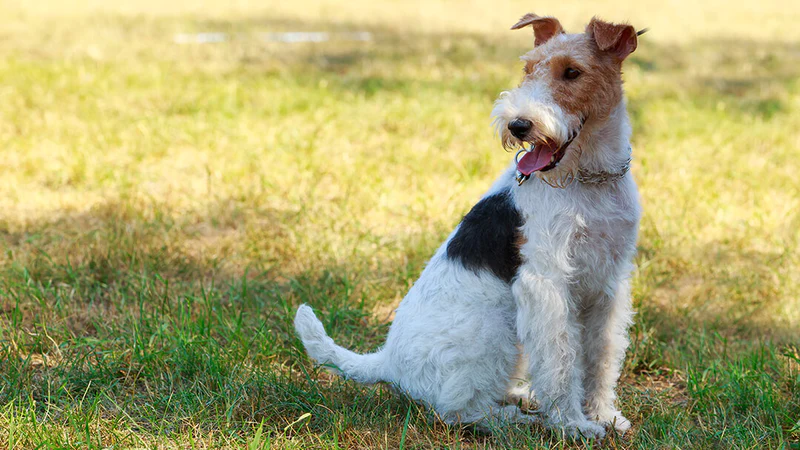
{"type": "Point", "coordinates": [488, 237]}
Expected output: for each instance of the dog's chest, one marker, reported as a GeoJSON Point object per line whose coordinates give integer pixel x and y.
{"type": "Point", "coordinates": [597, 245]}
{"type": "Point", "coordinates": [590, 236]}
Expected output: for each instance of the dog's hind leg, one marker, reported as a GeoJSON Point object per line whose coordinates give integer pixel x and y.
{"type": "Point", "coordinates": [492, 416]}
{"type": "Point", "coordinates": [474, 384]}
{"type": "Point", "coordinates": [505, 415]}
{"type": "Point", "coordinates": [606, 320]}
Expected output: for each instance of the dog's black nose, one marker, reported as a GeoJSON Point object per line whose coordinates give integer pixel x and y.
{"type": "Point", "coordinates": [520, 128]}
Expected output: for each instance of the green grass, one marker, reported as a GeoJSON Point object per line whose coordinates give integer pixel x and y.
{"type": "Point", "coordinates": [165, 208]}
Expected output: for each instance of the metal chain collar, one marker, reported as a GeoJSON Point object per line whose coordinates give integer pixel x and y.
{"type": "Point", "coordinates": [601, 177]}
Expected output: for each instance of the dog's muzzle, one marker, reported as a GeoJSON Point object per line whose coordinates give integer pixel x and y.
{"type": "Point", "coordinates": [541, 157]}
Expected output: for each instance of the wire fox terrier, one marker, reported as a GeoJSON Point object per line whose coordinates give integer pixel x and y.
{"type": "Point", "coordinates": [537, 273]}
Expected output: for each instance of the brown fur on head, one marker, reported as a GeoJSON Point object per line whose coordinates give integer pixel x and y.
{"type": "Point", "coordinates": [543, 27]}
{"type": "Point", "coordinates": [571, 80]}
{"type": "Point", "coordinates": [597, 54]}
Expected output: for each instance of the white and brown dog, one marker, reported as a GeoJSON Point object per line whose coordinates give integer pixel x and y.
{"type": "Point", "coordinates": [542, 262]}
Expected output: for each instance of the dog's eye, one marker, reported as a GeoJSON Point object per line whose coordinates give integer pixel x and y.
{"type": "Point", "coordinates": [571, 74]}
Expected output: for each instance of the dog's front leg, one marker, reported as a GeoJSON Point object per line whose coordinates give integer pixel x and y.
{"type": "Point", "coordinates": [606, 320]}
{"type": "Point", "coordinates": [548, 329]}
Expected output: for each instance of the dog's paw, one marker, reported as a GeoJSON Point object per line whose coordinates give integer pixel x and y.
{"type": "Point", "coordinates": [618, 421]}
{"type": "Point", "coordinates": [582, 429]}
{"type": "Point", "coordinates": [587, 429]}
{"type": "Point", "coordinates": [612, 418]}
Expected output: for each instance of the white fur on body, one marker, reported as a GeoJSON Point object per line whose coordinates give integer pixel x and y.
{"type": "Point", "coordinates": [453, 343]}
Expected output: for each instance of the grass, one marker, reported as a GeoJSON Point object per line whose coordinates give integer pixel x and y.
{"type": "Point", "coordinates": [166, 207]}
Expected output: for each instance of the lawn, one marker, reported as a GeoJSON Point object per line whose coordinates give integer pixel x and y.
{"type": "Point", "coordinates": [166, 205]}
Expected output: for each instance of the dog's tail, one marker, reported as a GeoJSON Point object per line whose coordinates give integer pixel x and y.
{"type": "Point", "coordinates": [367, 368]}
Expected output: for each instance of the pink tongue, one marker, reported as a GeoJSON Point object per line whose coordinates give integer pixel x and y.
{"type": "Point", "coordinates": [536, 159]}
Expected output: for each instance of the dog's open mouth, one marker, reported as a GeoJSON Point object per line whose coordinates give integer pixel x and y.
{"type": "Point", "coordinates": [540, 158]}
{"type": "Point", "coordinates": [543, 156]}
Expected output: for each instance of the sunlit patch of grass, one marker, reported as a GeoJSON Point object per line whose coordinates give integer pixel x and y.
{"type": "Point", "coordinates": [166, 207]}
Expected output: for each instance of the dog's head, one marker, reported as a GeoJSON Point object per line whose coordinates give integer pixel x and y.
{"type": "Point", "coordinates": [571, 82]}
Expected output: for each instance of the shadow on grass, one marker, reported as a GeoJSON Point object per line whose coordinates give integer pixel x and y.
{"type": "Point", "coordinates": [121, 319]}
{"type": "Point", "coordinates": [103, 313]}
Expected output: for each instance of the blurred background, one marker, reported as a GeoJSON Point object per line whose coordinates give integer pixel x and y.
{"type": "Point", "coordinates": [178, 176]}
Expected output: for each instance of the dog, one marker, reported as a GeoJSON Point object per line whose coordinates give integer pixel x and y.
{"type": "Point", "coordinates": [538, 270]}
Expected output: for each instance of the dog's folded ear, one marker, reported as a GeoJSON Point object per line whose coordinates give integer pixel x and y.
{"type": "Point", "coordinates": [544, 28]}
{"type": "Point", "coordinates": [619, 39]}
